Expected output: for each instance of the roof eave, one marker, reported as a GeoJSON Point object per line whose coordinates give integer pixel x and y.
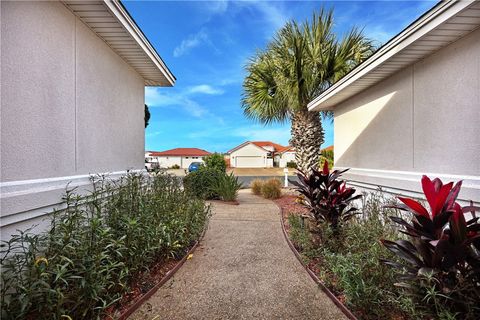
{"type": "Point", "coordinates": [117, 9]}
{"type": "Point", "coordinates": [430, 20]}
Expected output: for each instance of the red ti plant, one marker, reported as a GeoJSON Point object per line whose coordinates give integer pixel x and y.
{"type": "Point", "coordinates": [326, 197]}
{"type": "Point", "coordinates": [441, 244]}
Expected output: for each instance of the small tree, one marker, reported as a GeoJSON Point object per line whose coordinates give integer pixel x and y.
{"type": "Point", "coordinates": [147, 116]}
{"type": "Point", "coordinates": [215, 161]}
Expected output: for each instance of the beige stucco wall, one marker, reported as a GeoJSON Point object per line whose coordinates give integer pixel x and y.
{"type": "Point", "coordinates": [70, 106]}
{"type": "Point", "coordinates": [423, 119]}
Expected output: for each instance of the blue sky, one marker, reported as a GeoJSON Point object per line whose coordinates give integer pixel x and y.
{"type": "Point", "coordinates": [206, 45]}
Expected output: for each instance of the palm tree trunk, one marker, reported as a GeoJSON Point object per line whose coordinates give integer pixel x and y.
{"type": "Point", "coordinates": [307, 137]}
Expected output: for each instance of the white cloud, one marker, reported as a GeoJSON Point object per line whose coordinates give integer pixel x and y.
{"type": "Point", "coordinates": [205, 89]}
{"type": "Point", "coordinates": [273, 15]}
{"type": "Point", "coordinates": [217, 7]}
{"type": "Point", "coordinates": [260, 133]}
{"type": "Point", "coordinates": [155, 98]}
{"type": "Point", "coordinates": [191, 42]}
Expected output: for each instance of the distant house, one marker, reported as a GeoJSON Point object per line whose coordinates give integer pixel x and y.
{"type": "Point", "coordinates": [73, 77]}
{"type": "Point", "coordinates": [257, 154]}
{"type": "Point", "coordinates": [413, 107]}
{"type": "Point", "coordinates": [181, 157]}
{"type": "Point", "coordinates": [285, 156]}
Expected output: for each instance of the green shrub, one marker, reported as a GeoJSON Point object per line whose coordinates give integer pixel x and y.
{"type": "Point", "coordinates": [350, 260]}
{"type": "Point", "coordinates": [256, 186]}
{"type": "Point", "coordinates": [215, 161]}
{"type": "Point", "coordinates": [292, 165]}
{"type": "Point", "coordinates": [367, 283]}
{"type": "Point", "coordinates": [96, 247]}
{"type": "Point", "coordinates": [326, 155]}
{"type": "Point", "coordinates": [200, 184]}
{"type": "Point", "coordinates": [272, 189]}
{"type": "Point", "coordinates": [301, 237]}
{"type": "Point", "coordinates": [175, 166]}
{"type": "Point", "coordinates": [226, 187]}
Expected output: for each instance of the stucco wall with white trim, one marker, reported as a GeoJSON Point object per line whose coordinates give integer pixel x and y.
{"type": "Point", "coordinates": [70, 106]}
{"type": "Point", "coordinates": [423, 119]}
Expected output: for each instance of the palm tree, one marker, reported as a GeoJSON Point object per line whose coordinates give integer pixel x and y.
{"type": "Point", "coordinates": [297, 65]}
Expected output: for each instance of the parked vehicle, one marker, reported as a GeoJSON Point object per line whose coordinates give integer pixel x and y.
{"type": "Point", "coordinates": [194, 166]}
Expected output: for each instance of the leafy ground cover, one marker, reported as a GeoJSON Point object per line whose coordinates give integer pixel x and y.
{"type": "Point", "coordinates": [99, 250]}
{"type": "Point", "coordinates": [351, 269]}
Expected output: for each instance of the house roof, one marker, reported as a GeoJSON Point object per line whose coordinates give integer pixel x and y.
{"type": "Point", "coordinates": [263, 144]}
{"type": "Point", "coordinates": [329, 148]}
{"type": "Point", "coordinates": [112, 23]}
{"type": "Point", "coordinates": [193, 152]}
{"type": "Point", "coordinates": [287, 149]}
{"type": "Point", "coordinates": [260, 144]}
{"type": "Point", "coordinates": [445, 23]}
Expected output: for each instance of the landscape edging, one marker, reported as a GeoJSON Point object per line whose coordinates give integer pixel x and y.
{"type": "Point", "coordinates": [314, 277]}
{"type": "Point", "coordinates": [168, 275]}
{"type": "Point", "coordinates": [146, 296]}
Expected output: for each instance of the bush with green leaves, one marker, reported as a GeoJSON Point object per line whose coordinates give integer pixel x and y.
{"type": "Point", "coordinates": [326, 155]}
{"type": "Point", "coordinates": [97, 246]}
{"type": "Point", "coordinates": [201, 183]}
{"type": "Point", "coordinates": [175, 166]}
{"type": "Point", "coordinates": [349, 262]}
{"type": "Point", "coordinates": [226, 187]}
{"type": "Point", "coordinates": [292, 165]}
{"type": "Point", "coordinates": [215, 161]}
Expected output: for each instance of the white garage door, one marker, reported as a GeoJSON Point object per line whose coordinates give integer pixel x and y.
{"type": "Point", "coordinates": [250, 162]}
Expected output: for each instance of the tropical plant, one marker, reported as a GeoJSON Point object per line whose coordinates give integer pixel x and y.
{"type": "Point", "coordinates": [441, 258]}
{"type": "Point", "coordinates": [227, 186]}
{"type": "Point", "coordinates": [256, 186]}
{"type": "Point", "coordinates": [271, 189]}
{"type": "Point", "coordinates": [327, 198]}
{"type": "Point", "coordinates": [298, 64]}
{"type": "Point", "coordinates": [215, 161]}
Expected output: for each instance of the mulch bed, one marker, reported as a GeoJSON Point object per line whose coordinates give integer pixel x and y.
{"type": "Point", "coordinates": [289, 206]}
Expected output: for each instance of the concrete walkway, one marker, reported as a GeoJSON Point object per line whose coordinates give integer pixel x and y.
{"type": "Point", "coordinates": [243, 269]}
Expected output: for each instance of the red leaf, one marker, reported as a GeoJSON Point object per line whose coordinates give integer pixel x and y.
{"type": "Point", "coordinates": [415, 206]}
{"type": "Point", "coordinates": [452, 197]}
{"type": "Point", "coordinates": [441, 197]}
{"type": "Point", "coordinates": [429, 191]}
{"type": "Point", "coordinates": [437, 184]}
{"type": "Point", "coordinates": [325, 168]}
